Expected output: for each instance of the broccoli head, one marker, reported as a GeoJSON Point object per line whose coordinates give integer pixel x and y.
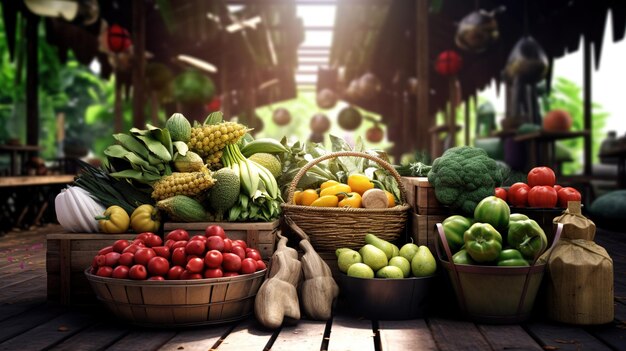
{"type": "Point", "coordinates": [463, 176]}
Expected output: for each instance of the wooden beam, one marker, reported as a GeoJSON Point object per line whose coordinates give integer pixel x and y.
{"type": "Point", "coordinates": [423, 88]}
{"type": "Point", "coordinates": [139, 45]}
{"type": "Point", "coordinates": [587, 108]}
{"type": "Point", "coordinates": [32, 81]}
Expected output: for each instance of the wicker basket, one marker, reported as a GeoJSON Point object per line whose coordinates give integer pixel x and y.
{"type": "Point", "coordinates": [333, 227]}
{"type": "Point", "coordinates": [177, 303]}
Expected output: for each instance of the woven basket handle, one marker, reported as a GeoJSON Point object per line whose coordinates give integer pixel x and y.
{"type": "Point", "coordinates": [378, 160]}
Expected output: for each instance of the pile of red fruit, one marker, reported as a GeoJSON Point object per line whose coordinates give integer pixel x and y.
{"type": "Point", "coordinates": [212, 255]}
{"type": "Point", "coordinates": [541, 191]}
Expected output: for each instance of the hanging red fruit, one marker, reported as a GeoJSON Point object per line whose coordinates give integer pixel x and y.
{"type": "Point", "coordinates": [281, 116]}
{"type": "Point", "coordinates": [118, 38]}
{"type": "Point", "coordinates": [374, 134]}
{"type": "Point", "coordinates": [448, 63]}
{"type": "Point", "coordinates": [320, 123]}
{"type": "Point", "coordinates": [214, 105]}
{"type": "Point", "coordinates": [557, 121]}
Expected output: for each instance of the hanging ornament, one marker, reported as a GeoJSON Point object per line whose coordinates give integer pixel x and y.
{"type": "Point", "coordinates": [118, 38]}
{"type": "Point", "coordinates": [448, 63]}
{"type": "Point", "coordinates": [349, 118]}
{"type": "Point", "coordinates": [316, 137]}
{"type": "Point", "coordinates": [527, 61]}
{"type": "Point", "coordinates": [352, 92]}
{"type": "Point", "coordinates": [411, 85]}
{"type": "Point", "coordinates": [368, 86]}
{"type": "Point", "coordinates": [478, 30]}
{"type": "Point", "coordinates": [374, 134]}
{"type": "Point", "coordinates": [215, 104]}
{"type": "Point", "coordinates": [320, 123]}
{"type": "Point", "coordinates": [326, 98]}
{"type": "Point", "coordinates": [281, 116]}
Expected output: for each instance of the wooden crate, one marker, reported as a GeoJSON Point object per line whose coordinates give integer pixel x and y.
{"type": "Point", "coordinates": [423, 229]}
{"type": "Point", "coordinates": [67, 257]}
{"type": "Point", "coordinates": [421, 196]}
{"type": "Point", "coordinates": [260, 235]}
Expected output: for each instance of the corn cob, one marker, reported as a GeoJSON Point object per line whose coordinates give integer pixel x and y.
{"type": "Point", "coordinates": [208, 141]}
{"type": "Point", "coordinates": [178, 183]}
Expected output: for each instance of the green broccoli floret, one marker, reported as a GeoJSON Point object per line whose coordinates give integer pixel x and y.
{"type": "Point", "coordinates": [463, 176]}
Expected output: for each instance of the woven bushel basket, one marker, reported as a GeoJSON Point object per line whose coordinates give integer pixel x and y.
{"type": "Point", "coordinates": [333, 227]}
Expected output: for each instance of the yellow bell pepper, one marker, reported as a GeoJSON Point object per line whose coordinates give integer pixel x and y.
{"type": "Point", "coordinates": [145, 218]}
{"type": "Point", "coordinates": [308, 196]}
{"type": "Point", "coordinates": [297, 197]}
{"type": "Point", "coordinates": [328, 183]}
{"type": "Point", "coordinates": [326, 201]}
{"type": "Point", "coordinates": [360, 183]}
{"type": "Point", "coordinates": [352, 199]}
{"type": "Point", "coordinates": [391, 198]}
{"type": "Point", "coordinates": [114, 220]}
{"type": "Point", "coordinates": [336, 189]}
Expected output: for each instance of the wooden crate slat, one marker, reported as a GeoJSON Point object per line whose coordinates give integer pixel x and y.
{"type": "Point", "coordinates": [246, 337]}
{"type": "Point", "coordinates": [143, 340]}
{"type": "Point", "coordinates": [200, 339]}
{"type": "Point", "coordinates": [421, 196]}
{"type": "Point", "coordinates": [305, 336]}
{"type": "Point", "coordinates": [508, 337]}
{"type": "Point", "coordinates": [423, 229]}
{"type": "Point", "coordinates": [351, 334]}
{"type": "Point", "coordinates": [565, 338]}
{"type": "Point", "coordinates": [404, 335]}
{"type": "Point", "coordinates": [457, 335]}
{"type": "Point", "coordinates": [93, 338]}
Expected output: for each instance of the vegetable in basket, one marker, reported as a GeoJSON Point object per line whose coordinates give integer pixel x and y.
{"type": "Point", "coordinates": [527, 236]}
{"type": "Point", "coordinates": [494, 211]}
{"type": "Point", "coordinates": [483, 242]}
{"type": "Point", "coordinates": [511, 257]}
{"type": "Point", "coordinates": [454, 227]}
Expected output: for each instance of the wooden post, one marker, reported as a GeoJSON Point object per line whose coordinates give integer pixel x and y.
{"type": "Point", "coordinates": [467, 121]}
{"type": "Point", "coordinates": [424, 121]}
{"type": "Point", "coordinates": [452, 112]}
{"type": "Point", "coordinates": [117, 104]}
{"type": "Point", "coordinates": [139, 45]}
{"type": "Point", "coordinates": [32, 81]}
{"type": "Point", "coordinates": [587, 108]}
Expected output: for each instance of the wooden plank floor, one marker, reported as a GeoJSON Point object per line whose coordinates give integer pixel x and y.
{"type": "Point", "coordinates": [28, 322]}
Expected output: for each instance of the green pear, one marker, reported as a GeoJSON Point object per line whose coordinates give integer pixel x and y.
{"type": "Point", "coordinates": [401, 263]}
{"type": "Point", "coordinates": [423, 263]}
{"type": "Point", "coordinates": [340, 250]}
{"type": "Point", "coordinates": [360, 270]}
{"type": "Point", "coordinates": [347, 258]}
{"type": "Point", "coordinates": [391, 272]}
{"type": "Point", "coordinates": [408, 251]}
{"type": "Point", "coordinates": [373, 256]}
{"type": "Point", "coordinates": [380, 243]}
{"type": "Point", "coordinates": [396, 250]}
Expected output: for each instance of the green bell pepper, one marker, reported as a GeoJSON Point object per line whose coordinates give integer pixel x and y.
{"type": "Point", "coordinates": [514, 217]}
{"type": "Point", "coordinates": [493, 210]}
{"type": "Point", "coordinates": [511, 257]}
{"type": "Point", "coordinates": [483, 242]}
{"type": "Point", "coordinates": [454, 227]}
{"type": "Point", "coordinates": [527, 237]}
{"type": "Point", "coordinates": [462, 257]}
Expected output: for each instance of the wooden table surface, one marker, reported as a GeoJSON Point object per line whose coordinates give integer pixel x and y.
{"type": "Point", "coordinates": [28, 322]}
{"type": "Point", "coordinates": [36, 180]}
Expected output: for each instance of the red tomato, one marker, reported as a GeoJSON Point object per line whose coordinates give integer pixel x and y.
{"type": "Point", "coordinates": [231, 262]}
{"type": "Point", "coordinates": [143, 255]}
{"type": "Point", "coordinates": [541, 176]}
{"type": "Point", "coordinates": [101, 260]}
{"type": "Point", "coordinates": [127, 259]}
{"type": "Point", "coordinates": [180, 243]}
{"type": "Point", "coordinates": [260, 265]}
{"type": "Point", "coordinates": [153, 240]}
{"type": "Point", "coordinates": [105, 250]}
{"type": "Point", "coordinates": [213, 273]}
{"type": "Point", "coordinates": [138, 272]}
{"type": "Point", "coordinates": [248, 266]}
{"type": "Point", "coordinates": [111, 259]}
{"type": "Point", "coordinates": [215, 243]}
{"type": "Point", "coordinates": [138, 242]}
{"type": "Point", "coordinates": [158, 266]}
{"type": "Point", "coordinates": [215, 230]}
{"type": "Point", "coordinates": [557, 188]}
{"type": "Point", "coordinates": [162, 251]}
{"type": "Point", "coordinates": [120, 272]}
{"type": "Point", "coordinates": [189, 257]}
{"type": "Point", "coordinates": [104, 271]}
{"type": "Point", "coordinates": [228, 245]}
{"type": "Point", "coordinates": [195, 247]}
{"type": "Point", "coordinates": [240, 242]}
{"type": "Point", "coordinates": [568, 194]}
{"type": "Point", "coordinates": [195, 265]}
{"type": "Point", "coordinates": [120, 245]}
{"type": "Point", "coordinates": [501, 193]}
{"type": "Point", "coordinates": [177, 235]}
{"type": "Point", "coordinates": [518, 194]}
{"type": "Point", "coordinates": [231, 274]}
{"type": "Point", "coordinates": [143, 236]}
{"type": "Point", "coordinates": [132, 248]}
{"type": "Point", "coordinates": [239, 251]}
{"type": "Point", "coordinates": [189, 275]}
{"type": "Point", "coordinates": [213, 259]}
{"type": "Point", "coordinates": [94, 262]}
{"type": "Point", "coordinates": [253, 254]}
{"type": "Point", "coordinates": [169, 243]}
{"type": "Point", "coordinates": [156, 277]}
{"type": "Point", "coordinates": [542, 196]}
{"type": "Point", "coordinates": [198, 237]}
{"type": "Point", "coordinates": [175, 272]}
{"type": "Point", "coordinates": [179, 257]}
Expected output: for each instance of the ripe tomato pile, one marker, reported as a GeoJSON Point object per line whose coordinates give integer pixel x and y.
{"type": "Point", "coordinates": [540, 191]}
{"type": "Point", "coordinates": [212, 255]}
